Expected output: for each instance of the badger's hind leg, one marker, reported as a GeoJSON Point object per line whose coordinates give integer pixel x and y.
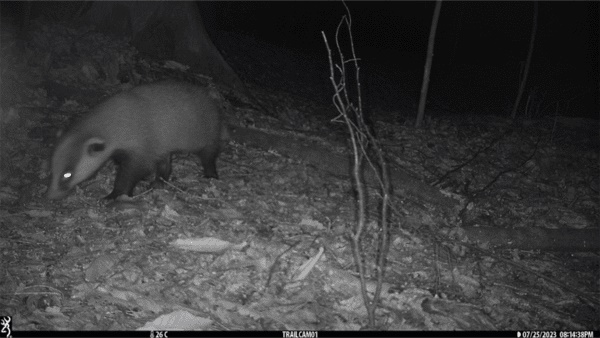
{"type": "Point", "coordinates": [163, 171]}
{"type": "Point", "coordinates": [208, 155]}
{"type": "Point", "coordinates": [131, 169]}
{"type": "Point", "coordinates": [163, 168]}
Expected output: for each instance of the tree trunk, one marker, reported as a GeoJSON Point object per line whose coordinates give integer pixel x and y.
{"type": "Point", "coordinates": [426, 73]}
{"type": "Point", "coordinates": [168, 30]}
{"type": "Point", "coordinates": [513, 114]}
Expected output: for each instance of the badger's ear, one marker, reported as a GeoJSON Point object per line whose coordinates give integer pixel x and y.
{"type": "Point", "coordinates": [94, 146]}
{"type": "Point", "coordinates": [60, 133]}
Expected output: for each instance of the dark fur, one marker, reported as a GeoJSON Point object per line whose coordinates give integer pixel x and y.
{"type": "Point", "coordinates": [139, 130]}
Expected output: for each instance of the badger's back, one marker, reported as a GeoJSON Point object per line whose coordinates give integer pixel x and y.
{"type": "Point", "coordinates": [159, 118]}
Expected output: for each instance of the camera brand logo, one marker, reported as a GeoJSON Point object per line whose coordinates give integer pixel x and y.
{"type": "Point", "coordinates": [6, 326]}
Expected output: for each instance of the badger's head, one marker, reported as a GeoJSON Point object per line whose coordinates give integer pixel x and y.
{"type": "Point", "coordinates": [75, 159]}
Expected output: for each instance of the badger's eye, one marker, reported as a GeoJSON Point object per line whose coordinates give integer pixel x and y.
{"type": "Point", "coordinates": [66, 176]}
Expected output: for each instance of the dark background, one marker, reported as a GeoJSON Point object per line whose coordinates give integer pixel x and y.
{"type": "Point", "coordinates": [480, 48]}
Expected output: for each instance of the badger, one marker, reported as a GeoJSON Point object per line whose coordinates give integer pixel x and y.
{"type": "Point", "coordinates": [139, 129]}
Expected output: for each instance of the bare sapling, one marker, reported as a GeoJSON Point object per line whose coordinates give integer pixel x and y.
{"type": "Point", "coordinates": [366, 149]}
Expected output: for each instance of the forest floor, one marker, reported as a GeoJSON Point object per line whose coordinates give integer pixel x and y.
{"type": "Point", "coordinates": [231, 254]}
